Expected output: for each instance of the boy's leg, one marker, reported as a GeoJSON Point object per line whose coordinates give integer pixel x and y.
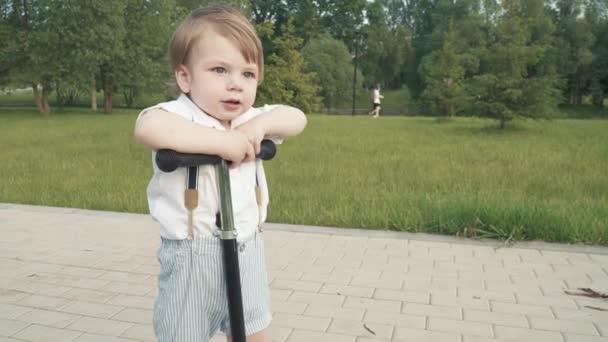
{"type": "Point", "coordinates": [189, 307]}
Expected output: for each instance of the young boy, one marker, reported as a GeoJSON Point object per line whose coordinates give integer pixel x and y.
{"type": "Point", "coordinates": [218, 62]}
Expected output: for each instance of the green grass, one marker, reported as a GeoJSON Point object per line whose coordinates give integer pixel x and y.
{"type": "Point", "coordinates": [535, 180]}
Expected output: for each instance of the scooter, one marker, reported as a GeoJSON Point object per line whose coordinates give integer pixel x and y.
{"type": "Point", "coordinates": [168, 161]}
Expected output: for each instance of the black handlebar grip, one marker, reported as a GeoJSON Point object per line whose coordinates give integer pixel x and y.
{"type": "Point", "coordinates": [169, 160]}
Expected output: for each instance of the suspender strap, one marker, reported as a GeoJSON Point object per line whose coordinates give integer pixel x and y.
{"type": "Point", "coordinates": [192, 177]}
{"type": "Point", "coordinates": [258, 192]}
{"type": "Point", "coordinates": [191, 197]}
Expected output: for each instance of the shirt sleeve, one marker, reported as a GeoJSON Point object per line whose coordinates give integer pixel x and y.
{"type": "Point", "coordinates": [254, 112]}
{"type": "Point", "coordinates": [172, 107]}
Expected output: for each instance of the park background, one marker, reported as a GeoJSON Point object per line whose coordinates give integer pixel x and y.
{"type": "Point", "coordinates": [494, 118]}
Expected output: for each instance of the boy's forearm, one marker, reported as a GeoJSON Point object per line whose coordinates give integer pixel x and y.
{"type": "Point", "coordinates": [158, 129]}
{"type": "Point", "coordinates": [282, 121]}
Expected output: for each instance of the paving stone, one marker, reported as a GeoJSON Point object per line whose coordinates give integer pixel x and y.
{"type": "Point", "coordinates": [288, 307]}
{"type": "Point", "coordinates": [9, 311]}
{"type": "Point", "coordinates": [88, 295]}
{"type": "Point", "coordinates": [76, 282]}
{"type": "Point", "coordinates": [139, 302]}
{"type": "Point", "coordinates": [9, 327]}
{"type": "Point", "coordinates": [526, 335]}
{"type": "Point", "coordinates": [44, 302]}
{"type": "Point", "coordinates": [499, 318]}
{"type": "Point", "coordinates": [143, 332]}
{"type": "Point", "coordinates": [300, 322]}
{"type": "Point", "coordinates": [433, 310]}
{"type": "Point", "coordinates": [461, 302]}
{"type": "Point", "coordinates": [329, 311]}
{"type": "Point", "coordinates": [296, 285]}
{"type": "Point", "coordinates": [466, 338]}
{"type": "Point", "coordinates": [39, 333]}
{"type": "Point", "coordinates": [278, 334]}
{"type": "Point", "coordinates": [134, 315]}
{"type": "Point", "coordinates": [100, 326]}
{"type": "Point", "coordinates": [462, 327]}
{"type": "Point", "coordinates": [396, 319]}
{"type": "Point", "coordinates": [345, 290]}
{"type": "Point", "coordinates": [583, 328]}
{"type": "Point", "coordinates": [414, 335]}
{"type": "Point", "coordinates": [48, 318]}
{"type": "Point", "coordinates": [404, 296]}
{"type": "Point", "coordinates": [92, 309]}
{"type": "Point", "coordinates": [8, 339]}
{"type": "Point", "coordinates": [357, 328]}
{"type": "Point", "coordinates": [372, 304]}
{"type": "Point", "coordinates": [530, 310]}
{"type": "Point", "coordinates": [584, 338]}
{"type": "Point", "coordinates": [87, 337]}
{"type": "Point", "coordinates": [308, 336]}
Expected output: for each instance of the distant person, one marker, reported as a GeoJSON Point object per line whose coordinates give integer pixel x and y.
{"type": "Point", "coordinates": [376, 96]}
{"type": "Point", "coordinates": [217, 59]}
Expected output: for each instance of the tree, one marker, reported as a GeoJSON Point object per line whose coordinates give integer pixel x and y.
{"type": "Point", "coordinates": [596, 14]}
{"type": "Point", "coordinates": [141, 65]}
{"type": "Point", "coordinates": [342, 18]}
{"type": "Point", "coordinates": [445, 89]}
{"type": "Point", "coordinates": [384, 49]}
{"type": "Point", "coordinates": [87, 38]}
{"type": "Point", "coordinates": [330, 60]}
{"type": "Point", "coordinates": [286, 80]}
{"type": "Point", "coordinates": [506, 90]}
{"type": "Point", "coordinates": [430, 20]}
{"type": "Point", "coordinates": [23, 59]}
{"type": "Point", "coordinates": [574, 42]}
{"type": "Point", "coordinates": [190, 5]}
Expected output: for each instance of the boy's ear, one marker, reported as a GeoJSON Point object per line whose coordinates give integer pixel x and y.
{"type": "Point", "coordinates": [182, 76]}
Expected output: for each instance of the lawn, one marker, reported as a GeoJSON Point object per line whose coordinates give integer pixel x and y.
{"type": "Point", "coordinates": [535, 180]}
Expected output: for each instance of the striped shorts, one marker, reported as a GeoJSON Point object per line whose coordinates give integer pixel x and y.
{"type": "Point", "coordinates": [191, 305]}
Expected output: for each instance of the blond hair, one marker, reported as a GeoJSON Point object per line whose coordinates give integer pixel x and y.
{"type": "Point", "coordinates": [225, 21]}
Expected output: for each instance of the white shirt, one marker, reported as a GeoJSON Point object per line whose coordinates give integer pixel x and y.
{"type": "Point", "coordinates": [377, 96]}
{"type": "Point", "coordinates": [166, 190]}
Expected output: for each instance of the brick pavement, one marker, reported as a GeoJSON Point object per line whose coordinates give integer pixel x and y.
{"type": "Point", "coordinates": [88, 276]}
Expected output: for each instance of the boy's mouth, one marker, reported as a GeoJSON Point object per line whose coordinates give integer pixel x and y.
{"type": "Point", "coordinates": [232, 101]}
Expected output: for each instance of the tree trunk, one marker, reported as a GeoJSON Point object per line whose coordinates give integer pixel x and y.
{"type": "Point", "coordinates": [576, 97]}
{"type": "Point", "coordinates": [36, 97]}
{"type": "Point", "coordinates": [108, 90]}
{"type": "Point", "coordinates": [44, 101]}
{"type": "Point", "coordinates": [93, 96]}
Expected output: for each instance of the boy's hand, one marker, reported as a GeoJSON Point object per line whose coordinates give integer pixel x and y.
{"type": "Point", "coordinates": [254, 133]}
{"type": "Point", "coordinates": [237, 148]}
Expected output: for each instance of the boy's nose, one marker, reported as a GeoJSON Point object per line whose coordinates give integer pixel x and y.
{"type": "Point", "coordinates": [234, 83]}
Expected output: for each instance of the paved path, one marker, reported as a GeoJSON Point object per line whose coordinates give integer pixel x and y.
{"type": "Point", "coordinates": [90, 276]}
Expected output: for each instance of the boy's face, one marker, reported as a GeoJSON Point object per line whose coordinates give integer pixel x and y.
{"type": "Point", "coordinates": [218, 78]}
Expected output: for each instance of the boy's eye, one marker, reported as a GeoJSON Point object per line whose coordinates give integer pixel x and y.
{"type": "Point", "coordinates": [249, 74]}
{"type": "Point", "coordinates": [219, 70]}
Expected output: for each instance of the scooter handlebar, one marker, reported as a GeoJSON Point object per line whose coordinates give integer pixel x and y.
{"type": "Point", "coordinates": [170, 160]}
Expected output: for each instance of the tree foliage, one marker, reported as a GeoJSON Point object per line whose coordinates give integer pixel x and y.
{"type": "Point", "coordinates": [286, 79]}
{"type": "Point", "coordinates": [507, 88]}
{"type": "Point", "coordinates": [330, 60]}
{"type": "Point", "coordinates": [445, 90]}
{"type": "Point", "coordinates": [495, 58]}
